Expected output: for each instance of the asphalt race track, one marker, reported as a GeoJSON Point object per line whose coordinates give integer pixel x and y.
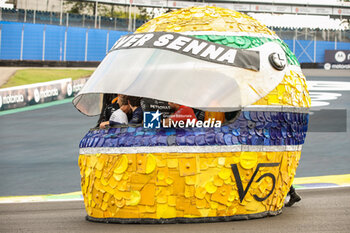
{"type": "Point", "coordinates": [324, 152]}
{"type": "Point", "coordinates": [40, 150]}
{"type": "Point", "coordinates": [325, 210]}
{"type": "Point", "coordinates": [39, 154]}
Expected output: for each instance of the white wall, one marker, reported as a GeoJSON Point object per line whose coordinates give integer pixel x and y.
{"type": "Point", "coordinates": [41, 5]}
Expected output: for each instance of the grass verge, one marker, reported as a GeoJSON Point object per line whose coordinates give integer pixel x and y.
{"type": "Point", "coordinates": [30, 76]}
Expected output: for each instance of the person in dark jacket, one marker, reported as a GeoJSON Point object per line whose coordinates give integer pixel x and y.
{"type": "Point", "coordinates": [137, 113]}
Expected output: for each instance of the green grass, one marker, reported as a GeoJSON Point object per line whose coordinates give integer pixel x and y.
{"type": "Point", "coordinates": [29, 76]}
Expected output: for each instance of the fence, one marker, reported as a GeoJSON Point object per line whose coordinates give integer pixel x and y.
{"type": "Point", "coordinates": [24, 41]}
{"type": "Point", "coordinates": [67, 19]}
{"type": "Point", "coordinates": [312, 51]}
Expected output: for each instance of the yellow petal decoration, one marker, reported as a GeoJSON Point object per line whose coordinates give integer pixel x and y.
{"type": "Point", "coordinates": [225, 173]}
{"type": "Point", "coordinates": [248, 160]}
{"type": "Point", "coordinates": [200, 192]}
{"type": "Point", "coordinates": [122, 165]}
{"type": "Point", "coordinates": [135, 198]}
{"type": "Point", "coordinates": [210, 187]}
{"type": "Point", "coordinates": [151, 163]}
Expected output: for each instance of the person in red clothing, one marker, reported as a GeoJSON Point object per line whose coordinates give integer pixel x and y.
{"type": "Point", "coordinates": [182, 113]}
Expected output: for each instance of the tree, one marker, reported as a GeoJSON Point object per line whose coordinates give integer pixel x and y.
{"type": "Point", "coordinates": [84, 8]}
{"type": "Point", "coordinates": [104, 10]}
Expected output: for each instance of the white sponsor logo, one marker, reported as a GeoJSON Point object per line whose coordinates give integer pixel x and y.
{"type": "Point", "coordinates": [69, 89]}
{"type": "Point", "coordinates": [11, 99]}
{"type": "Point", "coordinates": [44, 94]}
{"type": "Point", "coordinates": [340, 66]}
{"type": "Point", "coordinates": [327, 66]}
{"type": "Point", "coordinates": [36, 96]}
{"type": "Point", "coordinates": [77, 87]}
{"type": "Point", "coordinates": [49, 93]}
{"type": "Point", "coordinates": [340, 56]}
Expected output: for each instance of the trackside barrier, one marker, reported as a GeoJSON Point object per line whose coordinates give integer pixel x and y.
{"type": "Point", "coordinates": [26, 41]}
{"type": "Point", "coordinates": [26, 95]}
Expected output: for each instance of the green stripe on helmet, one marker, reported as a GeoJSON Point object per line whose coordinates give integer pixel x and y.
{"type": "Point", "coordinates": [247, 42]}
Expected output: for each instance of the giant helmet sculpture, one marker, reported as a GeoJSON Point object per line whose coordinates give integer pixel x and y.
{"type": "Point", "coordinates": [212, 59]}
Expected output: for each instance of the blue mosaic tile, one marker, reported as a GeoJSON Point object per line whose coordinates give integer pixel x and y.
{"type": "Point", "coordinates": [90, 142]}
{"type": "Point", "coordinates": [242, 140]}
{"type": "Point", "coordinates": [251, 124]}
{"type": "Point", "coordinates": [162, 141]}
{"type": "Point", "coordinates": [259, 125]}
{"type": "Point", "coordinates": [225, 129]}
{"type": "Point", "coordinates": [246, 115]}
{"type": "Point", "coordinates": [219, 139]}
{"type": "Point", "coordinates": [150, 132]}
{"type": "Point", "coordinates": [284, 132]}
{"type": "Point", "coordinates": [139, 133]}
{"type": "Point", "coordinates": [200, 140]}
{"type": "Point", "coordinates": [171, 140]}
{"type": "Point", "coordinates": [82, 143]}
{"type": "Point", "coordinates": [278, 133]}
{"type": "Point", "coordinates": [228, 139]}
{"type": "Point", "coordinates": [236, 132]}
{"type": "Point", "coordinates": [243, 124]}
{"type": "Point", "coordinates": [281, 116]}
{"type": "Point", "coordinates": [154, 140]}
{"type": "Point", "coordinates": [235, 125]}
{"type": "Point", "coordinates": [248, 140]}
{"type": "Point", "coordinates": [146, 141]}
{"type": "Point", "coordinates": [130, 141]}
{"type": "Point", "coordinates": [109, 142]}
{"type": "Point", "coordinates": [267, 141]}
{"type": "Point", "coordinates": [190, 140]}
{"type": "Point", "coordinates": [251, 131]}
{"type": "Point", "coordinates": [266, 133]}
{"type": "Point", "coordinates": [181, 140]}
{"type": "Point", "coordinates": [122, 141]}
{"type": "Point", "coordinates": [261, 116]}
{"type": "Point", "coordinates": [254, 116]}
{"type": "Point", "coordinates": [287, 117]}
{"type": "Point", "coordinates": [259, 132]}
{"type": "Point", "coordinates": [138, 141]}
{"type": "Point", "coordinates": [244, 132]}
{"type": "Point", "coordinates": [268, 125]}
{"type": "Point", "coordinates": [260, 140]}
{"type": "Point", "coordinates": [235, 141]}
{"type": "Point", "coordinates": [199, 132]}
{"type": "Point", "coordinates": [210, 139]}
{"type": "Point", "coordinates": [273, 133]}
{"type": "Point", "coordinates": [267, 116]}
{"type": "Point", "coordinates": [98, 142]}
